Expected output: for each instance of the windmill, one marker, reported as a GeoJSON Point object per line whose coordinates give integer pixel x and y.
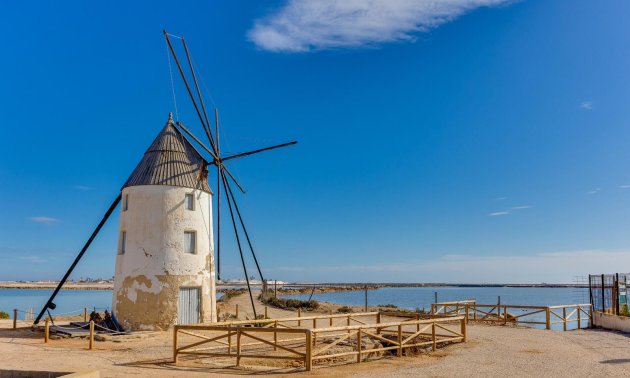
{"type": "Point", "coordinates": [171, 142]}
{"type": "Point", "coordinates": [223, 173]}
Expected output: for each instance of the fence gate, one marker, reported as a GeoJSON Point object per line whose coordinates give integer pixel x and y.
{"type": "Point", "coordinates": [189, 306]}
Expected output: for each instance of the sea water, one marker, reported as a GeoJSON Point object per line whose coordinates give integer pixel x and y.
{"type": "Point", "coordinates": [414, 298]}
{"type": "Point", "coordinates": [67, 301]}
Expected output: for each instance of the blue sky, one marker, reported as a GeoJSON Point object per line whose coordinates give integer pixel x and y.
{"type": "Point", "coordinates": [474, 141]}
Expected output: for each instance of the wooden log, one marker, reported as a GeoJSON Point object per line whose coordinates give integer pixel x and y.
{"type": "Point", "coordinates": [46, 329]}
{"type": "Point", "coordinates": [91, 345]}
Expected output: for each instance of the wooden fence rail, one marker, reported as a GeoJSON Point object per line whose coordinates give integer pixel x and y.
{"type": "Point", "coordinates": [515, 314]}
{"type": "Point", "coordinates": [263, 341]}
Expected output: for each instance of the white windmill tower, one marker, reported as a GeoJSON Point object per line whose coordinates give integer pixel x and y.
{"type": "Point", "coordinates": [165, 264]}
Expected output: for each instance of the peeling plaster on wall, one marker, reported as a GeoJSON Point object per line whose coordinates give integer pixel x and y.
{"type": "Point", "coordinates": [154, 266]}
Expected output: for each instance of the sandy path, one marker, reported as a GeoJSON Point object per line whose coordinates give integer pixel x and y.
{"type": "Point", "coordinates": [493, 351]}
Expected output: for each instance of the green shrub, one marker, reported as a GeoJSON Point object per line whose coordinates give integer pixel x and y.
{"type": "Point", "coordinates": [4, 315]}
{"type": "Point", "coordinates": [289, 304]}
{"type": "Point", "coordinates": [389, 305]}
{"type": "Point", "coordinates": [344, 310]}
{"type": "Point", "coordinates": [230, 293]}
{"type": "Point", "coordinates": [624, 311]}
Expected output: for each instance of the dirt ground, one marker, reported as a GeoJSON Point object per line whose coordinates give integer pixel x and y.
{"type": "Point", "coordinates": [491, 351]}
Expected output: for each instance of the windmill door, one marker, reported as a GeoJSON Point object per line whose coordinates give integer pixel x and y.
{"type": "Point", "coordinates": [189, 307]}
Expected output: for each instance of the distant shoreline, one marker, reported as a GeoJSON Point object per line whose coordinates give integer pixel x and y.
{"type": "Point", "coordinates": [109, 285]}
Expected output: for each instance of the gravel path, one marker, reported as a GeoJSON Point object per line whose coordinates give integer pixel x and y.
{"type": "Point", "coordinates": [492, 351]}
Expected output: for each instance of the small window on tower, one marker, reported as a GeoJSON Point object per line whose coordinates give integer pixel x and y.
{"type": "Point", "coordinates": [125, 202]}
{"type": "Point", "coordinates": [123, 242]}
{"type": "Point", "coordinates": [190, 242]}
{"type": "Point", "coordinates": [190, 201]}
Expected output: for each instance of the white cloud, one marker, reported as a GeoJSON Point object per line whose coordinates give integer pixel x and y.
{"type": "Point", "coordinates": [586, 105]}
{"type": "Point", "coordinates": [509, 211]}
{"type": "Point", "coordinates": [594, 191]}
{"type": "Point", "coordinates": [498, 213]}
{"type": "Point", "coordinates": [550, 267]}
{"type": "Point", "coordinates": [521, 207]}
{"type": "Point", "coordinates": [624, 186]}
{"type": "Point", "coordinates": [307, 25]}
{"type": "Point", "coordinates": [46, 220]}
{"type": "Point", "coordinates": [33, 259]}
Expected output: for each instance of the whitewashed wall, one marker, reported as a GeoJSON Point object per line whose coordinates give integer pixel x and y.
{"type": "Point", "coordinates": [154, 266]}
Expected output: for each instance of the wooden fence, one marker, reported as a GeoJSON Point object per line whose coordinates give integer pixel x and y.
{"type": "Point", "coordinates": [277, 339]}
{"type": "Point", "coordinates": [581, 314]}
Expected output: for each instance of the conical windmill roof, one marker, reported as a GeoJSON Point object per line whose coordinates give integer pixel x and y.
{"type": "Point", "coordinates": [171, 160]}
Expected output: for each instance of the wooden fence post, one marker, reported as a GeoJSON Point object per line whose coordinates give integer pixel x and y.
{"type": "Point", "coordinates": [466, 313]}
{"type": "Point", "coordinates": [175, 345]}
{"type": "Point", "coordinates": [330, 322]}
{"type": "Point", "coordinates": [579, 318]}
{"type": "Point", "coordinates": [359, 345]}
{"type": "Point", "coordinates": [238, 347]}
{"type": "Point", "coordinates": [399, 353]}
{"type": "Point", "coordinates": [275, 336]}
{"type": "Point", "coordinates": [299, 315]}
{"type": "Point", "coordinates": [237, 311]}
{"type": "Point", "coordinates": [475, 311]}
{"type": "Point", "coordinates": [14, 318]}
{"type": "Point", "coordinates": [548, 318]}
{"type": "Point", "coordinates": [314, 322]}
{"type": "Point", "coordinates": [432, 309]}
{"type": "Point", "coordinates": [229, 342]}
{"type": "Point", "coordinates": [590, 316]}
{"type": "Point", "coordinates": [564, 318]}
{"type": "Point", "coordinates": [91, 345]}
{"type": "Point", "coordinates": [85, 314]}
{"type": "Point", "coordinates": [505, 313]}
{"type": "Point", "coordinates": [46, 330]}
{"type": "Point", "coordinates": [308, 363]}
{"type": "Point", "coordinates": [433, 338]}
{"type": "Point", "coordinates": [378, 321]}
{"type": "Point", "coordinates": [348, 322]}
{"type": "Point", "coordinates": [463, 329]}
{"type": "Point", "coordinates": [266, 313]}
